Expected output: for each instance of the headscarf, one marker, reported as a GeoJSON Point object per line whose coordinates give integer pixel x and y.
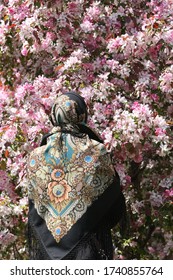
{"type": "Point", "coordinates": [68, 174]}
{"type": "Point", "coordinates": [74, 111]}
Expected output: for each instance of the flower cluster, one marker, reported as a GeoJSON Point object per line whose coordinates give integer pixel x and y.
{"type": "Point", "coordinates": [118, 56]}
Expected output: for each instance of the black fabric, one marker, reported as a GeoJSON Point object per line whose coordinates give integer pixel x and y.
{"type": "Point", "coordinates": [98, 217]}
{"type": "Point", "coordinates": [86, 249]}
{"type": "Point", "coordinates": [43, 246]}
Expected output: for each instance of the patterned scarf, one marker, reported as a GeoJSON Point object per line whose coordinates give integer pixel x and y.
{"type": "Point", "coordinates": [71, 171]}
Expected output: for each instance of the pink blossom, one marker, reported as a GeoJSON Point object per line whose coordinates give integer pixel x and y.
{"type": "Point", "coordinates": [3, 96]}
{"type": "Point", "coordinates": [20, 94]}
{"type": "Point", "coordinates": [51, 23]}
{"type": "Point", "coordinates": [7, 238]}
{"type": "Point", "coordinates": [169, 193]}
{"type": "Point", "coordinates": [93, 12]}
{"type": "Point", "coordinates": [114, 44]}
{"type": "Point", "coordinates": [51, 35]}
{"type": "Point", "coordinates": [87, 26]}
{"type": "Point", "coordinates": [24, 51]}
{"type": "Point", "coordinates": [74, 8]}
{"type": "Point", "coordinates": [135, 105]}
{"type": "Point", "coordinates": [10, 134]}
{"type": "Point", "coordinates": [168, 37]}
{"type": "Point", "coordinates": [45, 43]}
{"type": "Point", "coordinates": [7, 186]}
{"type": "Point", "coordinates": [154, 97]}
{"type": "Point", "coordinates": [4, 180]}
{"type": "Point", "coordinates": [166, 80]}
{"type": "Point", "coordinates": [159, 131]}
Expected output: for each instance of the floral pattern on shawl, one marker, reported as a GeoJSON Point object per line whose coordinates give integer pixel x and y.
{"type": "Point", "coordinates": [66, 176]}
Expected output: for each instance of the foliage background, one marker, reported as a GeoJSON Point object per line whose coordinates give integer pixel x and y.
{"type": "Point", "coordinates": [118, 55]}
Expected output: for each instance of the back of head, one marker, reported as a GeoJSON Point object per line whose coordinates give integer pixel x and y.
{"type": "Point", "coordinates": [69, 108]}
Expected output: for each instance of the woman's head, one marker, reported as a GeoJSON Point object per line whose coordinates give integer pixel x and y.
{"type": "Point", "coordinates": [69, 108]}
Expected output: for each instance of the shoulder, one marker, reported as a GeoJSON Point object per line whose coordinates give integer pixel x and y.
{"type": "Point", "coordinates": [34, 156]}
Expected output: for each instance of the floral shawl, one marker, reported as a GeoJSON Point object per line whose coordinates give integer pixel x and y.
{"type": "Point", "coordinates": [70, 172]}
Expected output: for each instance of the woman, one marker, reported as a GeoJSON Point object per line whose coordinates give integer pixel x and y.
{"type": "Point", "coordinates": [74, 192]}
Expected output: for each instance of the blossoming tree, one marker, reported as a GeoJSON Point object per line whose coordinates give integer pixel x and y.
{"type": "Point", "coordinates": [118, 55]}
